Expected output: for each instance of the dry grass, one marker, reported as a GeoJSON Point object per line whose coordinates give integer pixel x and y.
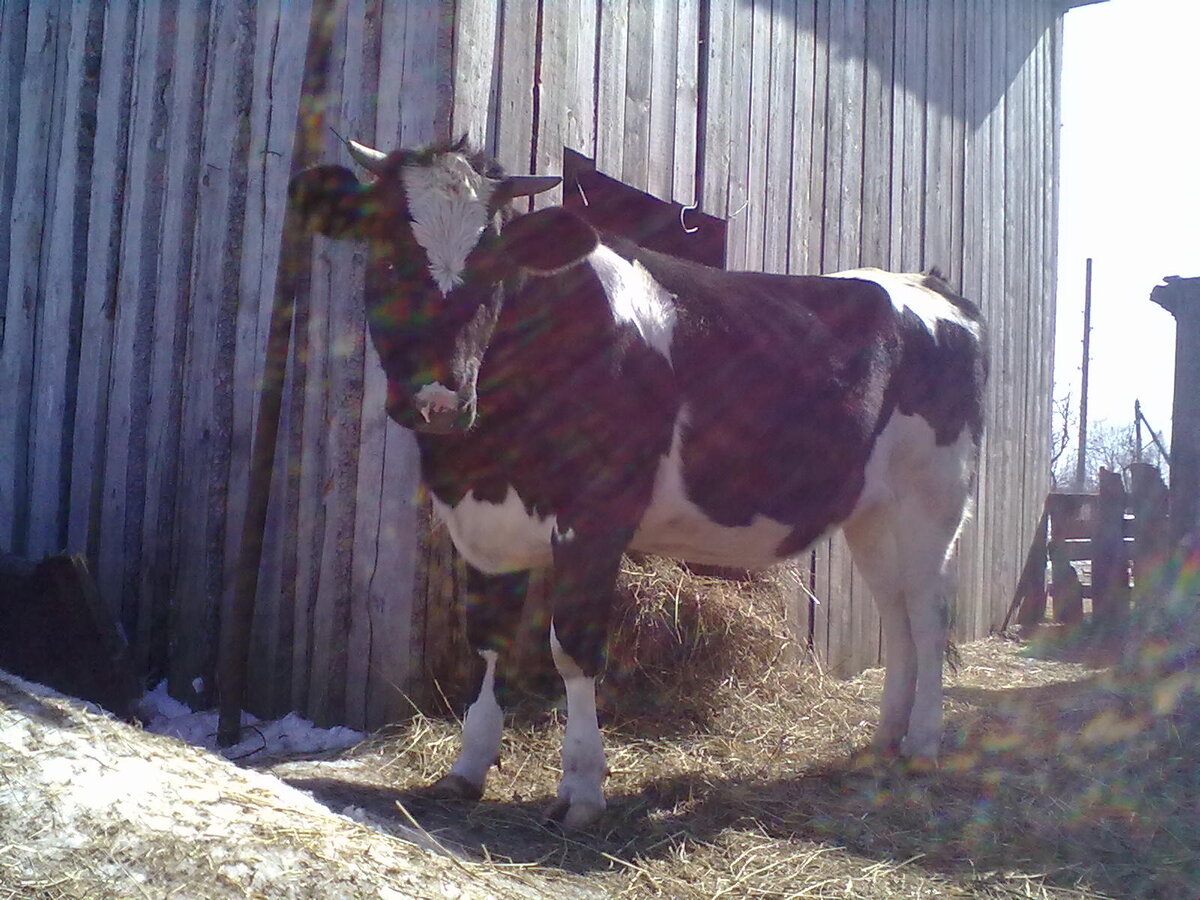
{"type": "Point", "coordinates": [738, 777]}
{"type": "Point", "coordinates": [1060, 779]}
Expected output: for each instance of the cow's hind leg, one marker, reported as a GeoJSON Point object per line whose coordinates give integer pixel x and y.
{"type": "Point", "coordinates": [876, 553]}
{"type": "Point", "coordinates": [493, 611]}
{"type": "Point", "coordinates": [902, 546]}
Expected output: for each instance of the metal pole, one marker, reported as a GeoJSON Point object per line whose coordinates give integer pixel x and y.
{"type": "Point", "coordinates": [1081, 458]}
{"type": "Point", "coordinates": [1137, 431]}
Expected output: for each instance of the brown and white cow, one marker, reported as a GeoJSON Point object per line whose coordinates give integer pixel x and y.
{"type": "Point", "coordinates": [575, 396]}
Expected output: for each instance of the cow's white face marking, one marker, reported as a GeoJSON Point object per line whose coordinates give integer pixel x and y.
{"type": "Point", "coordinates": [675, 527]}
{"type": "Point", "coordinates": [448, 202]}
{"type": "Point", "coordinates": [907, 292]}
{"type": "Point", "coordinates": [636, 298]}
{"type": "Point", "coordinates": [433, 398]}
{"type": "Point", "coordinates": [481, 729]}
{"type": "Point", "coordinates": [498, 537]}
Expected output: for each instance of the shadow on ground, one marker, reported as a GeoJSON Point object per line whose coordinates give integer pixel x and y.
{"type": "Point", "coordinates": [1068, 782]}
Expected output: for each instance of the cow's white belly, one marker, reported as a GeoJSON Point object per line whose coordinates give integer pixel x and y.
{"type": "Point", "coordinates": [498, 537]}
{"type": "Point", "coordinates": [673, 526]}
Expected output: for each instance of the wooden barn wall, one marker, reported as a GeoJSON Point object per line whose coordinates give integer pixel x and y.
{"type": "Point", "coordinates": [832, 134]}
{"type": "Point", "coordinates": [144, 153]}
{"type": "Point", "coordinates": [146, 148]}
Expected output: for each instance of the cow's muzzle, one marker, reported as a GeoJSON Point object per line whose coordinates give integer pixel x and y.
{"type": "Point", "coordinates": [440, 410]}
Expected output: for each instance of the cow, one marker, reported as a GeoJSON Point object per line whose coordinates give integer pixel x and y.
{"type": "Point", "coordinates": [574, 397]}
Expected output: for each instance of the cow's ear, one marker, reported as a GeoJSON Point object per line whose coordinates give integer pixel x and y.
{"type": "Point", "coordinates": [548, 240]}
{"type": "Point", "coordinates": [329, 199]}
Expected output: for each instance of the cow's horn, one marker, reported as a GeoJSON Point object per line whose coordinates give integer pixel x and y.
{"type": "Point", "coordinates": [367, 157]}
{"type": "Point", "coordinates": [528, 185]}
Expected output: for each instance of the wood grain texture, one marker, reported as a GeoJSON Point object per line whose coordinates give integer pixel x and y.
{"type": "Point", "coordinates": [830, 132]}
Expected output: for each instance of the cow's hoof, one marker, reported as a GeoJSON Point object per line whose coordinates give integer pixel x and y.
{"type": "Point", "coordinates": [919, 765]}
{"type": "Point", "coordinates": [578, 815]}
{"type": "Point", "coordinates": [873, 759]}
{"type": "Point", "coordinates": [452, 787]}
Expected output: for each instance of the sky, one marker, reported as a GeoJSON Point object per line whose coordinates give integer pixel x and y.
{"type": "Point", "coordinates": [1130, 197]}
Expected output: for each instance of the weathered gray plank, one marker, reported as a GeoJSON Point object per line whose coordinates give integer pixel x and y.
{"type": "Point", "coordinates": [552, 86]}
{"type": "Point", "coordinates": [119, 548]}
{"type": "Point", "coordinates": [662, 59]}
{"type": "Point", "coordinates": [515, 118]}
{"type": "Point", "coordinates": [612, 56]}
{"type": "Point", "coordinates": [687, 74]}
{"type": "Point", "coordinates": [181, 139]}
{"type": "Point", "coordinates": [877, 136]}
{"type": "Point", "coordinates": [386, 509]}
{"type": "Point", "coordinates": [476, 63]}
{"type": "Point", "coordinates": [938, 194]}
{"type": "Point", "coordinates": [63, 262]}
{"type": "Point", "coordinates": [758, 134]}
{"type": "Point", "coordinates": [26, 224]}
{"type": "Point", "coordinates": [278, 74]}
{"type": "Point", "coordinates": [781, 125]}
{"type": "Point", "coordinates": [639, 73]}
{"type": "Point", "coordinates": [104, 237]}
{"type": "Point", "coordinates": [804, 250]}
{"type": "Point", "coordinates": [716, 114]}
{"type": "Point", "coordinates": [207, 403]}
{"type": "Point", "coordinates": [14, 15]}
{"type": "Point", "coordinates": [738, 197]}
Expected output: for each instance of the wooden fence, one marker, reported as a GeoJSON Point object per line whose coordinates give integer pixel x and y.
{"type": "Point", "coordinates": [144, 152]}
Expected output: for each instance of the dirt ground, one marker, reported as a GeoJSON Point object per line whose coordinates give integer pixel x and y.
{"type": "Point", "coordinates": [1057, 780]}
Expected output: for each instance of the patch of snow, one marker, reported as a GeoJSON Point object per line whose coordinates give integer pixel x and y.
{"type": "Point", "coordinates": [291, 735]}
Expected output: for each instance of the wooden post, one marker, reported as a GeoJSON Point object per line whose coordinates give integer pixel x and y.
{"type": "Point", "coordinates": [1181, 298]}
{"type": "Point", "coordinates": [1148, 501]}
{"type": "Point", "coordinates": [295, 269]}
{"type": "Point", "coordinates": [1110, 561]}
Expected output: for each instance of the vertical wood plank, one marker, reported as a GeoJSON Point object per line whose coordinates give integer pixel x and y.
{"type": "Point", "coordinates": [938, 204]}
{"type": "Point", "coordinates": [14, 16]}
{"type": "Point", "coordinates": [661, 107]}
{"type": "Point", "coordinates": [26, 224]}
{"type": "Point", "coordinates": [278, 75]}
{"type": "Point", "coordinates": [687, 74]}
{"type": "Point", "coordinates": [515, 119]}
{"type": "Point", "coordinates": [877, 136]}
{"type": "Point", "coordinates": [639, 73]}
{"type": "Point", "coordinates": [777, 232]}
{"type": "Point", "coordinates": [716, 123]}
{"type": "Point", "coordinates": [103, 241]}
{"type": "Point", "coordinates": [476, 66]}
{"type": "Point", "coordinates": [386, 529]}
{"type": "Point", "coordinates": [552, 82]}
{"type": "Point", "coordinates": [337, 281]}
{"type": "Point", "coordinates": [738, 190]}
{"type": "Point", "coordinates": [119, 544]}
{"type": "Point", "coordinates": [757, 134]}
{"type": "Point", "coordinates": [804, 250]}
{"type": "Point", "coordinates": [612, 58]}
{"type": "Point", "coordinates": [63, 261]}
{"type": "Point", "coordinates": [207, 403]}
{"type": "Point", "coordinates": [184, 28]}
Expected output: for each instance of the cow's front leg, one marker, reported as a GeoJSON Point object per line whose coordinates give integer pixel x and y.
{"type": "Point", "coordinates": [493, 611]}
{"type": "Point", "coordinates": [585, 571]}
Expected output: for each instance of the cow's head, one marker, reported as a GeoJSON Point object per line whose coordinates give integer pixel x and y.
{"type": "Point", "coordinates": [434, 220]}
